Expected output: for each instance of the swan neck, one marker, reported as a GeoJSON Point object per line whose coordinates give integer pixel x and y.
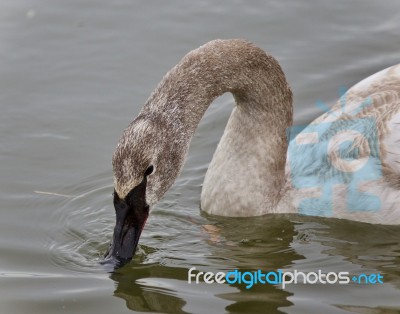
{"type": "Point", "coordinates": [254, 77]}
{"type": "Point", "coordinates": [252, 151]}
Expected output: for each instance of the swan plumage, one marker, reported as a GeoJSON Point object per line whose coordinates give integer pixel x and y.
{"type": "Point", "coordinates": [249, 174]}
{"type": "Point", "coordinates": [261, 164]}
{"type": "Point", "coordinates": [374, 103]}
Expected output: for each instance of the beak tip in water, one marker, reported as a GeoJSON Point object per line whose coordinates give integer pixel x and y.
{"type": "Point", "coordinates": [111, 262]}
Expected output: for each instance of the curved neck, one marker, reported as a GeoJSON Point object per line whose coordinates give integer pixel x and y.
{"type": "Point", "coordinates": [254, 78]}
{"type": "Point", "coordinates": [252, 151]}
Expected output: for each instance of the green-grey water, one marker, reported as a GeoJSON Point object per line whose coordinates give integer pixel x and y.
{"type": "Point", "coordinates": [73, 74]}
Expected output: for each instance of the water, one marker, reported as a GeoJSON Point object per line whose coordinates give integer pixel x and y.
{"type": "Point", "coordinates": [73, 74]}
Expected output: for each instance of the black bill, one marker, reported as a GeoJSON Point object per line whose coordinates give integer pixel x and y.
{"type": "Point", "coordinates": [131, 216]}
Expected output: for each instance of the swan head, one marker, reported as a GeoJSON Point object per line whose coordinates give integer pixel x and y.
{"type": "Point", "coordinates": [145, 164]}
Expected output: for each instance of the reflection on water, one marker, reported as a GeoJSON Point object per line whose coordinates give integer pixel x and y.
{"type": "Point", "coordinates": [146, 288]}
{"type": "Point", "coordinates": [177, 238]}
{"type": "Point", "coordinates": [271, 243]}
{"type": "Point", "coordinates": [336, 245]}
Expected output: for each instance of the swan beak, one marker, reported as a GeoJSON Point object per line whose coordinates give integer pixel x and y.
{"type": "Point", "coordinates": [130, 220]}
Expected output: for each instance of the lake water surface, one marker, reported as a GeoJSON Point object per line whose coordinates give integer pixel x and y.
{"type": "Point", "coordinates": [73, 74]}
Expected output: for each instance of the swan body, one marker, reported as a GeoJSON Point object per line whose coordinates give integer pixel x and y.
{"type": "Point", "coordinates": [345, 164]}
{"type": "Point", "coordinates": [370, 112]}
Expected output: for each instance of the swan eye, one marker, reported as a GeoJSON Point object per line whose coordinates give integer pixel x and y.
{"type": "Point", "coordinates": [149, 171]}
